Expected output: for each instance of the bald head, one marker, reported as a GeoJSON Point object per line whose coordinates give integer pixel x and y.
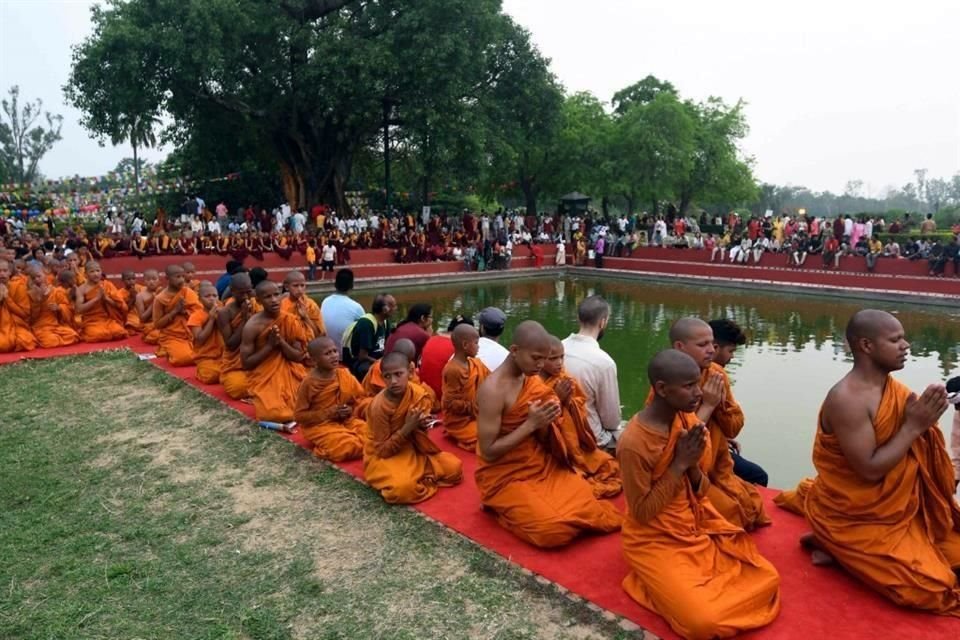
{"type": "Point", "coordinates": [555, 343]}
{"type": "Point", "coordinates": [464, 332]}
{"type": "Point", "coordinates": [173, 270]}
{"type": "Point", "coordinates": [92, 264]}
{"type": "Point", "coordinates": [241, 281]}
{"type": "Point", "coordinates": [686, 329]}
{"type": "Point", "coordinates": [294, 276]}
{"type": "Point", "coordinates": [207, 287]}
{"type": "Point", "coordinates": [266, 288]}
{"type": "Point", "coordinates": [869, 324]}
{"type": "Point", "coordinates": [672, 367]}
{"type": "Point", "coordinates": [530, 334]}
{"type": "Point", "coordinates": [151, 273]}
{"type": "Point", "coordinates": [406, 347]}
{"type": "Point", "coordinates": [324, 352]}
{"type": "Point", "coordinates": [393, 361]}
{"type": "Point", "coordinates": [127, 274]}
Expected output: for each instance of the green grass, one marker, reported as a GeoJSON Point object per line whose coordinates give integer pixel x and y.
{"type": "Point", "coordinates": [133, 506]}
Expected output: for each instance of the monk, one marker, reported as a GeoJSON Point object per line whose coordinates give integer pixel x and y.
{"type": "Point", "coordinates": [738, 500]}
{"type": "Point", "coordinates": [272, 350]}
{"type": "Point", "coordinates": [67, 283]}
{"type": "Point", "coordinates": [231, 319]}
{"type": "Point", "coordinates": [144, 306]}
{"type": "Point", "coordinates": [373, 382]}
{"type": "Point", "coordinates": [399, 458]}
{"type": "Point", "coordinates": [687, 562]}
{"type": "Point", "coordinates": [15, 334]}
{"type": "Point", "coordinates": [190, 277]}
{"type": "Point", "coordinates": [172, 307]}
{"type": "Point", "coordinates": [598, 467]}
{"type": "Point", "coordinates": [298, 304]}
{"type": "Point", "coordinates": [51, 313]}
{"type": "Point", "coordinates": [100, 306]}
{"type": "Point", "coordinates": [207, 341]}
{"type": "Point", "coordinates": [130, 290]}
{"type": "Point", "coordinates": [326, 404]}
{"type": "Point", "coordinates": [523, 472]}
{"type": "Point", "coordinates": [462, 376]}
{"type": "Point", "coordinates": [882, 503]}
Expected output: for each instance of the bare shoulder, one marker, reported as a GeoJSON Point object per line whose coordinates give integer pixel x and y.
{"type": "Point", "coordinates": [491, 391]}
{"type": "Point", "coordinates": [848, 404]}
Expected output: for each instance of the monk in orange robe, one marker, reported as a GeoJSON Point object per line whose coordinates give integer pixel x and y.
{"type": "Point", "coordinates": [15, 334]}
{"type": "Point", "coordinates": [373, 382]}
{"type": "Point", "coordinates": [73, 264]}
{"type": "Point", "coordinates": [172, 307]}
{"type": "Point", "coordinates": [687, 562]}
{"type": "Point", "coordinates": [598, 467]}
{"type": "Point", "coordinates": [399, 459]}
{"type": "Point", "coordinates": [190, 277]}
{"type": "Point", "coordinates": [272, 351]}
{"type": "Point", "coordinates": [130, 290]}
{"type": "Point", "coordinates": [231, 319]}
{"type": "Point", "coordinates": [326, 404]}
{"type": "Point", "coordinates": [299, 305]}
{"type": "Point", "coordinates": [523, 473]}
{"type": "Point", "coordinates": [207, 341]}
{"type": "Point", "coordinates": [462, 376]}
{"type": "Point", "coordinates": [51, 313]}
{"type": "Point", "coordinates": [100, 306]}
{"type": "Point", "coordinates": [882, 503]}
{"type": "Point", "coordinates": [738, 500]}
{"type": "Point", "coordinates": [144, 306]}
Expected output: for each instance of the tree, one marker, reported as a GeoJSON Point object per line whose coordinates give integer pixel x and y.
{"type": "Point", "coordinates": [639, 93]}
{"type": "Point", "coordinates": [853, 189]}
{"type": "Point", "coordinates": [22, 142]}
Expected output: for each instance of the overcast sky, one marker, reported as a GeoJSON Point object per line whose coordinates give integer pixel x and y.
{"type": "Point", "coordinates": [836, 90]}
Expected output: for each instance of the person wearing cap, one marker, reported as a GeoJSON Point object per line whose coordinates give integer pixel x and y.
{"type": "Point", "coordinates": [492, 353]}
{"type": "Point", "coordinates": [595, 370]}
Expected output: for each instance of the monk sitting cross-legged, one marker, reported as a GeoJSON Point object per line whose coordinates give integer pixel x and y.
{"type": "Point", "coordinates": [882, 503]}
{"type": "Point", "coordinates": [272, 350]}
{"type": "Point", "coordinates": [326, 403]}
{"type": "Point", "coordinates": [399, 459]}
{"type": "Point", "coordinates": [231, 319]}
{"type": "Point", "coordinates": [687, 562]}
{"type": "Point", "coordinates": [523, 473]}
{"type": "Point", "coordinates": [462, 376]}
{"type": "Point", "coordinates": [144, 306]}
{"type": "Point", "coordinates": [190, 277]}
{"type": "Point", "coordinates": [15, 334]}
{"type": "Point", "coordinates": [298, 304]}
{"type": "Point", "coordinates": [598, 467]}
{"type": "Point", "coordinates": [207, 341]}
{"type": "Point", "coordinates": [51, 313]}
{"type": "Point", "coordinates": [100, 306]}
{"type": "Point", "coordinates": [171, 309]}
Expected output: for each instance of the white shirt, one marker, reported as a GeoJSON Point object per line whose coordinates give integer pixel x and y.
{"type": "Point", "coordinates": [299, 221]}
{"type": "Point", "coordinates": [492, 353]}
{"type": "Point", "coordinates": [596, 372]}
{"type": "Point", "coordinates": [329, 253]}
{"type": "Point", "coordinates": [213, 226]}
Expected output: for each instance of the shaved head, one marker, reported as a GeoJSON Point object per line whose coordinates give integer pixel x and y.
{"type": "Point", "coordinates": [868, 324]}
{"type": "Point", "coordinates": [91, 264]}
{"type": "Point", "coordinates": [672, 366]}
{"type": "Point", "coordinates": [463, 332]}
{"type": "Point", "coordinates": [188, 266]}
{"type": "Point", "coordinates": [295, 276]}
{"type": "Point", "coordinates": [206, 287]}
{"type": "Point", "coordinates": [151, 273]}
{"type": "Point", "coordinates": [266, 287]}
{"type": "Point", "coordinates": [686, 328]}
{"type": "Point", "coordinates": [555, 343]}
{"type": "Point", "coordinates": [406, 347]}
{"type": "Point", "coordinates": [530, 334]}
{"type": "Point", "coordinates": [394, 360]}
{"type": "Point", "coordinates": [173, 270]}
{"type": "Point", "coordinates": [241, 281]}
{"type": "Point", "coordinates": [127, 274]}
{"type": "Point", "coordinates": [323, 342]}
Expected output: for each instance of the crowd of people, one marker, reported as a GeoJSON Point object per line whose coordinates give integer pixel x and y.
{"type": "Point", "coordinates": [542, 417]}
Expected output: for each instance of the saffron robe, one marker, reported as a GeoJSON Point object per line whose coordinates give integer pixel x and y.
{"type": "Point", "coordinates": [273, 384]}
{"type": "Point", "coordinates": [206, 355]}
{"type": "Point", "coordinates": [232, 376]}
{"type": "Point", "coordinates": [132, 323]}
{"type": "Point", "coordinates": [176, 339]}
{"type": "Point", "coordinates": [15, 334]}
{"type": "Point", "coordinates": [532, 489]}
{"type": "Point", "coordinates": [317, 401]}
{"type": "Point", "coordinates": [598, 467]}
{"type": "Point", "coordinates": [53, 328]}
{"type": "Point", "coordinates": [101, 323]}
{"type": "Point", "coordinates": [405, 469]}
{"type": "Point", "coordinates": [308, 307]}
{"type": "Point", "coordinates": [373, 383]}
{"type": "Point", "coordinates": [459, 404]}
{"type": "Point", "coordinates": [901, 535]}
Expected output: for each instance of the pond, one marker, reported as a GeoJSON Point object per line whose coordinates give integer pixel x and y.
{"type": "Point", "coordinates": [795, 350]}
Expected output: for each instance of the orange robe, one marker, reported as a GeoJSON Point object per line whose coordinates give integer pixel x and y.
{"type": "Point", "coordinates": [459, 404]}
{"type": "Point", "coordinates": [208, 354]}
{"type": "Point", "coordinates": [536, 495]}
{"type": "Point", "coordinates": [405, 469]}
{"type": "Point", "coordinates": [273, 384]}
{"type": "Point", "coordinates": [15, 334]}
{"type": "Point", "coordinates": [53, 328]}
{"type": "Point", "coordinates": [598, 467]}
{"type": "Point", "coordinates": [317, 400]}
{"type": "Point", "coordinates": [373, 384]}
{"type": "Point", "coordinates": [101, 323]}
{"type": "Point", "coordinates": [901, 536]}
{"type": "Point", "coordinates": [232, 376]}
{"type": "Point", "coordinates": [687, 562]}
{"type": "Point", "coordinates": [176, 339]}
{"type": "Point", "coordinates": [132, 323]}
{"type": "Point", "coordinates": [312, 311]}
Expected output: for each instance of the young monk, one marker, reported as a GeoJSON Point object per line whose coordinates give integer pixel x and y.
{"type": "Point", "coordinates": [231, 319]}
{"type": "Point", "coordinates": [51, 314]}
{"type": "Point", "coordinates": [298, 304]}
{"type": "Point", "coordinates": [687, 562]}
{"type": "Point", "coordinates": [326, 403]}
{"type": "Point", "coordinates": [738, 500]}
{"type": "Point", "coordinates": [15, 334]}
{"type": "Point", "coordinates": [523, 473]}
{"type": "Point", "coordinates": [373, 382]}
{"type": "Point", "coordinates": [190, 277]}
{"type": "Point", "coordinates": [207, 341]}
{"type": "Point", "coordinates": [100, 306]}
{"type": "Point", "coordinates": [144, 306]}
{"type": "Point", "coordinates": [130, 290]}
{"type": "Point", "coordinates": [462, 376]}
{"type": "Point", "coordinates": [67, 283]}
{"type": "Point", "coordinates": [882, 503]}
{"type": "Point", "coordinates": [272, 350]}
{"type": "Point", "coordinates": [399, 459]}
{"type": "Point", "coordinates": [598, 467]}
{"type": "Point", "coordinates": [172, 307]}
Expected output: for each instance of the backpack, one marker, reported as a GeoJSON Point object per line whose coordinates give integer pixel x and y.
{"type": "Point", "coordinates": [348, 333]}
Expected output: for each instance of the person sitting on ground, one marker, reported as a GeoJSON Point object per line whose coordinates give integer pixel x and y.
{"type": "Point", "coordinates": [130, 290]}
{"type": "Point", "coordinates": [522, 473]}
{"type": "Point", "coordinates": [301, 306]}
{"type": "Point", "coordinates": [231, 319]}
{"type": "Point", "coordinates": [339, 309]}
{"type": "Point", "coordinates": [326, 404]}
{"type": "Point", "coordinates": [172, 307]}
{"type": "Point", "coordinates": [143, 304]}
{"type": "Point", "coordinates": [190, 277]}
{"type": "Point", "coordinates": [100, 307]}
{"type": "Point", "coordinates": [596, 465]}
{"type": "Point", "coordinates": [365, 341]}
{"type": "Point", "coordinates": [882, 502]}
{"type": "Point", "coordinates": [687, 562]}
{"type": "Point", "coordinates": [373, 382]}
{"type": "Point", "coordinates": [207, 340]}
{"type": "Point", "coordinates": [399, 459]}
{"type": "Point", "coordinates": [462, 376]}
{"type": "Point", "coordinates": [51, 313]}
{"type": "Point", "coordinates": [416, 327]}
{"type": "Point", "coordinates": [492, 322]}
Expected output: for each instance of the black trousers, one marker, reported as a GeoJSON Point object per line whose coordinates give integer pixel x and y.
{"type": "Point", "coordinates": [749, 471]}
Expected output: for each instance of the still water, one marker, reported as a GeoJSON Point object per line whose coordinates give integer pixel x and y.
{"type": "Point", "coordinates": [795, 349]}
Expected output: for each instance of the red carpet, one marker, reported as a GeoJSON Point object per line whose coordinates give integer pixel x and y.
{"type": "Point", "coordinates": [817, 602]}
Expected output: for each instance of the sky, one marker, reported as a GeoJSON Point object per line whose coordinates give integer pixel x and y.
{"type": "Point", "coordinates": [836, 90]}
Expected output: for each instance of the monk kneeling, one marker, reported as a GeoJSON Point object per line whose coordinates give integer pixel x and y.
{"type": "Point", "coordinates": [207, 341]}
{"type": "Point", "coordinates": [399, 459]}
{"type": "Point", "coordinates": [523, 473]}
{"type": "Point", "coordinates": [171, 310]}
{"type": "Point", "coordinates": [326, 403]}
{"type": "Point", "coordinates": [101, 307]}
{"type": "Point", "coordinates": [298, 304]}
{"type": "Point", "coordinates": [687, 562]}
{"type": "Point", "coordinates": [462, 376]}
{"type": "Point", "coordinates": [882, 503]}
{"type": "Point", "coordinates": [15, 334]}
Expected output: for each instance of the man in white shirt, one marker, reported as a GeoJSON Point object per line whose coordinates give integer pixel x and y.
{"type": "Point", "coordinates": [492, 322]}
{"type": "Point", "coordinates": [214, 226]}
{"type": "Point", "coordinates": [339, 310]}
{"type": "Point", "coordinates": [595, 370]}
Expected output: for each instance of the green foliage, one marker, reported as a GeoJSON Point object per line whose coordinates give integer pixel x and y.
{"type": "Point", "coordinates": [23, 142]}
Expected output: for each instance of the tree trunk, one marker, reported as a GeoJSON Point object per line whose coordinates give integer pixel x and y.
{"type": "Point", "coordinates": [654, 207]}
{"type": "Point", "coordinates": [685, 200]}
{"type": "Point", "coordinates": [605, 206]}
{"type": "Point", "coordinates": [136, 166]}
